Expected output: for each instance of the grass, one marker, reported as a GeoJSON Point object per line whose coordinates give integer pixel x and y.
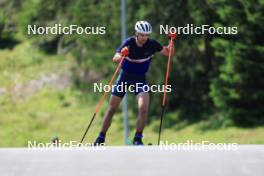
{"type": "Point", "coordinates": [47, 114]}
{"type": "Point", "coordinates": [196, 133]}
{"type": "Point", "coordinates": [66, 113]}
{"type": "Point", "coordinates": [24, 63]}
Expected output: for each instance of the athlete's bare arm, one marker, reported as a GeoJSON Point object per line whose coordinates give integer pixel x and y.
{"type": "Point", "coordinates": [165, 50]}
{"type": "Point", "coordinates": [117, 57]}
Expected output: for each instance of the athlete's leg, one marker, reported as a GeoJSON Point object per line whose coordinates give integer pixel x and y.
{"type": "Point", "coordinates": [143, 104]}
{"type": "Point", "coordinates": [113, 104]}
{"type": "Point", "coordinates": [112, 107]}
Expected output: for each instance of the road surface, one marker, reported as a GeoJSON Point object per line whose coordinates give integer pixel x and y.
{"type": "Point", "coordinates": [245, 160]}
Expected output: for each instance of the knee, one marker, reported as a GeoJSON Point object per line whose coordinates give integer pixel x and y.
{"type": "Point", "coordinates": [143, 111]}
{"type": "Point", "coordinates": [112, 109]}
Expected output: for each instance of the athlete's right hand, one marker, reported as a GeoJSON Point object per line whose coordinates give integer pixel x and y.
{"type": "Point", "coordinates": [124, 52]}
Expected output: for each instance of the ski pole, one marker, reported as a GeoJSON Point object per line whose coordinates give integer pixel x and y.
{"type": "Point", "coordinates": [124, 54]}
{"type": "Point", "coordinates": [172, 37]}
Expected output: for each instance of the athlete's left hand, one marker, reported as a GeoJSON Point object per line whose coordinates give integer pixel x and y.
{"type": "Point", "coordinates": [172, 36]}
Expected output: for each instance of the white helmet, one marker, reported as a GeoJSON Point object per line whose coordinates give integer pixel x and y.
{"type": "Point", "coordinates": [143, 27]}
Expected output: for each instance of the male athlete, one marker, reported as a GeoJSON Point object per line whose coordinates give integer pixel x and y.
{"type": "Point", "coordinates": [134, 68]}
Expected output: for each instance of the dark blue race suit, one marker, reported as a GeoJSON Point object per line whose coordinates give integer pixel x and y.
{"type": "Point", "coordinates": [135, 73]}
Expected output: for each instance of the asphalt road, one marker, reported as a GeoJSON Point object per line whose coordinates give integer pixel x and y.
{"type": "Point", "coordinates": [245, 160]}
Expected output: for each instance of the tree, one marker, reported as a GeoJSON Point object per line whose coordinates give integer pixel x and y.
{"type": "Point", "coordinates": [238, 89]}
